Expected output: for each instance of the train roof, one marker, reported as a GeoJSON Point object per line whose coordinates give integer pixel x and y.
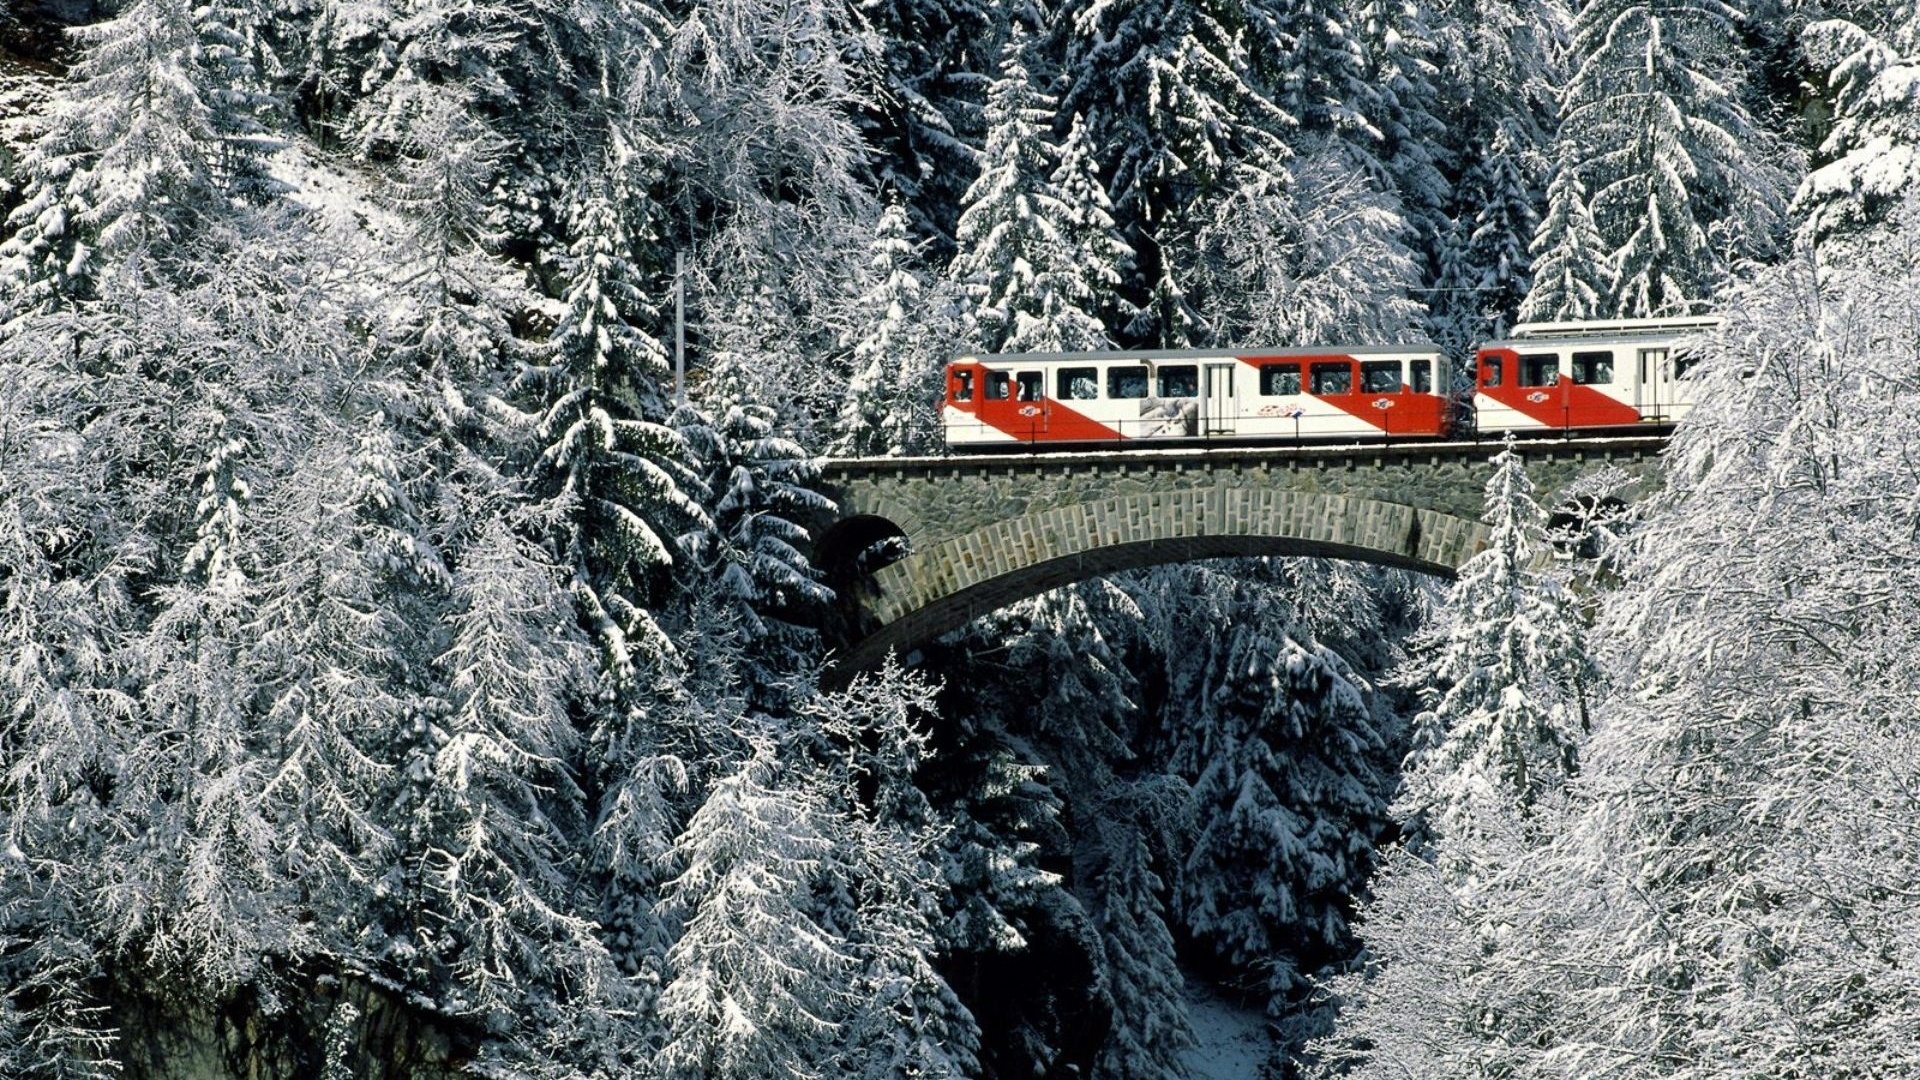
{"type": "Point", "coordinates": [1109, 355]}
{"type": "Point", "coordinates": [1608, 332]}
{"type": "Point", "coordinates": [1693, 324]}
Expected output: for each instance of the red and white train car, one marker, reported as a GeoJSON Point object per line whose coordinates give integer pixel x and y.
{"type": "Point", "coordinates": [1583, 376]}
{"type": "Point", "coordinates": [1338, 392]}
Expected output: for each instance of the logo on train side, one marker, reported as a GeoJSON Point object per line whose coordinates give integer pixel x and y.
{"type": "Point", "coordinates": [1538, 396]}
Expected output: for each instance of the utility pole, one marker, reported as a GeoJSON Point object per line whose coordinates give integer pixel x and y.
{"type": "Point", "coordinates": [680, 328]}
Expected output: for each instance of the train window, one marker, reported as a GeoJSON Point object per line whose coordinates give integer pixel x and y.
{"type": "Point", "coordinates": [963, 386]}
{"type": "Point", "coordinates": [1683, 365]}
{"type": "Point", "coordinates": [1029, 386]}
{"type": "Point", "coordinates": [1127, 382]}
{"type": "Point", "coordinates": [1380, 376]}
{"type": "Point", "coordinates": [1334, 378]}
{"type": "Point", "coordinates": [1079, 384]}
{"type": "Point", "coordinates": [1540, 369]}
{"type": "Point", "coordinates": [1490, 371]}
{"type": "Point", "coordinates": [1181, 380]}
{"type": "Point", "coordinates": [1593, 367]}
{"type": "Point", "coordinates": [998, 384]}
{"type": "Point", "coordinates": [1422, 376]}
{"type": "Point", "coordinates": [1279, 380]}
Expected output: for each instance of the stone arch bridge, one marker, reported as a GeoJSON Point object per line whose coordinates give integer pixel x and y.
{"type": "Point", "coordinates": [922, 546]}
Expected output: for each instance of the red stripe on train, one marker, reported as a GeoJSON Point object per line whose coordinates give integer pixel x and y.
{"type": "Point", "coordinates": [1564, 404]}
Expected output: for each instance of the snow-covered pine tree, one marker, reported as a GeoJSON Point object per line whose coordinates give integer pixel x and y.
{"type": "Point", "coordinates": [328, 55]}
{"type": "Point", "coordinates": [1151, 1028]}
{"type": "Point", "coordinates": [1289, 769]}
{"type": "Point", "coordinates": [1873, 150]}
{"type": "Point", "coordinates": [1573, 273]}
{"type": "Point", "coordinates": [621, 484]}
{"type": "Point", "coordinates": [934, 56]}
{"type": "Point", "coordinates": [756, 983]}
{"type": "Point", "coordinates": [1009, 917]}
{"type": "Point", "coordinates": [1023, 251]}
{"type": "Point", "coordinates": [1177, 96]}
{"type": "Point", "coordinates": [899, 354]}
{"type": "Point", "coordinates": [1500, 67]}
{"type": "Point", "coordinates": [1502, 187]}
{"type": "Point", "coordinates": [1682, 181]}
{"type": "Point", "coordinates": [429, 45]}
{"type": "Point", "coordinates": [346, 618]}
{"type": "Point", "coordinates": [1398, 44]}
{"type": "Point", "coordinates": [1098, 260]}
{"type": "Point", "coordinates": [145, 142]}
{"type": "Point", "coordinates": [493, 806]}
{"type": "Point", "coordinates": [233, 51]}
{"type": "Point", "coordinates": [748, 542]}
{"type": "Point", "coordinates": [1507, 671]}
{"type": "Point", "coordinates": [1314, 56]}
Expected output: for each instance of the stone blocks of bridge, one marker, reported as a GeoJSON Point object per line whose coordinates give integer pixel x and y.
{"type": "Point", "coordinates": [986, 532]}
{"type": "Point", "coordinates": [1109, 534]}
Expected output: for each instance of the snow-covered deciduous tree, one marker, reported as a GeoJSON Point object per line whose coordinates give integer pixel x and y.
{"type": "Point", "coordinates": [756, 108]}
{"type": "Point", "coordinates": [1459, 973]}
{"type": "Point", "coordinates": [154, 133]}
{"type": "Point", "coordinates": [493, 799]}
{"type": "Point", "coordinates": [906, 1019]}
{"type": "Point", "coordinates": [1320, 256]}
{"type": "Point", "coordinates": [1759, 745]}
{"type": "Point", "coordinates": [1717, 897]}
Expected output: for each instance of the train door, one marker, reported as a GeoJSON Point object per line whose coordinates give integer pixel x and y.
{"type": "Point", "coordinates": [1222, 407]}
{"type": "Point", "coordinates": [1030, 394]}
{"type": "Point", "coordinates": [1654, 391]}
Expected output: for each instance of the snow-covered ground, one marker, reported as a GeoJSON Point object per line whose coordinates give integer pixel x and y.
{"type": "Point", "coordinates": [1230, 1040]}
{"type": "Point", "coordinates": [25, 87]}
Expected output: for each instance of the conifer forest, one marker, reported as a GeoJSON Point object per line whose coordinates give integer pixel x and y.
{"type": "Point", "coordinates": [400, 679]}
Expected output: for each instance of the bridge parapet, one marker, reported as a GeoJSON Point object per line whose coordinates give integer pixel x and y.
{"type": "Point", "coordinates": [982, 531]}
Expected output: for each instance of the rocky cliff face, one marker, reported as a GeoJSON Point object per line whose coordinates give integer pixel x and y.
{"type": "Point", "coordinates": [320, 1027]}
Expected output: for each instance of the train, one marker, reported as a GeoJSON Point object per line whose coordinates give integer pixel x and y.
{"type": "Point", "coordinates": [1565, 377]}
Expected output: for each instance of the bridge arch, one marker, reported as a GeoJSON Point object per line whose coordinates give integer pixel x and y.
{"type": "Point", "coordinates": [976, 534]}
